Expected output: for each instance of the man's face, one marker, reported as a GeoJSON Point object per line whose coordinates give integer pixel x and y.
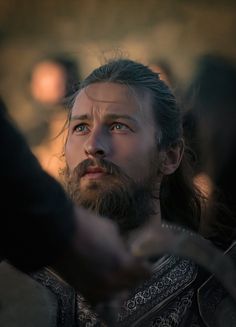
{"type": "Point", "coordinates": [111, 129]}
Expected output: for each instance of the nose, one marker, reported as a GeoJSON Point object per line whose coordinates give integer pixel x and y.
{"type": "Point", "coordinates": [96, 145]}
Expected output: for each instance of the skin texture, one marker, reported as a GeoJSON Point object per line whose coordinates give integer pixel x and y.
{"type": "Point", "coordinates": [109, 121]}
{"type": "Point", "coordinates": [106, 132]}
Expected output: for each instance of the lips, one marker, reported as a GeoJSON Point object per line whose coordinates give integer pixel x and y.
{"type": "Point", "coordinates": [94, 173]}
{"type": "Point", "coordinates": [92, 170]}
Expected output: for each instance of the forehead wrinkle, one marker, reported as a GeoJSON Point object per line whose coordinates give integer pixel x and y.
{"type": "Point", "coordinates": [133, 92]}
{"type": "Point", "coordinates": [140, 97]}
{"type": "Point", "coordinates": [96, 109]}
{"type": "Point", "coordinates": [143, 99]}
{"type": "Point", "coordinates": [75, 107]}
{"type": "Point", "coordinates": [90, 97]}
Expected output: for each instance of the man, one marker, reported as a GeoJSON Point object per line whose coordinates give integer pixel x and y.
{"type": "Point", "coordinates": [125, 160]}
{"type": "Point", "coordinates": [40, 226]}
{"type": "Point", "coordinates": [147, 145]}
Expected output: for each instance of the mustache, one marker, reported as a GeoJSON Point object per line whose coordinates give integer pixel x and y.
{"type": "Point", "coordinates": [108, 167]}
{"type": "Point", "coordinates": [127, 202]}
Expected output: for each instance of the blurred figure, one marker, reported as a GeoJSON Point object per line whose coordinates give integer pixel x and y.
{"type": "Point", "coordinates": [164, 70]}
{"type": "Point", "coordinates": [167, 75]}
{"type": "Point", "coordinates": [52, 79]}
{"type": "Point", "coordinates": [48, 83]}
{"type": "Point", "coordinates": [210, 128]}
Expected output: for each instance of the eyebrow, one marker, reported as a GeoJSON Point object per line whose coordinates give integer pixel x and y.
{"type": "Point", "coordinates": [108, 116]}
{"type": "Point", "coordinates": [80, 117]}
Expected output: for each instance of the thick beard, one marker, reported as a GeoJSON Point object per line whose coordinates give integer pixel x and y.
{"type": "Point", "coordinates": [130, 204]}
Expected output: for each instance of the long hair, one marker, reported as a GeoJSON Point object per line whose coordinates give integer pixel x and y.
{"type": "Point", "coordinates": [179, 199]}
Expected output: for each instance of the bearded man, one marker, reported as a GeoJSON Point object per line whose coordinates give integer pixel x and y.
{"type": "Point", "coordinates": [125, 159]}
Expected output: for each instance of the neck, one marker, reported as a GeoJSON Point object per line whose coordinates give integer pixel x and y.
{"type": "Point", "coordinates": [144, 234]}
{"type": "Point", "coordinates": [153, 221]}
{"type": "Point", "coordinates": [156, 218]}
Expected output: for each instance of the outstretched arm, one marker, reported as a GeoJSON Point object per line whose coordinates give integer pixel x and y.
{"type": "Point", "coordinates": [40, 226]}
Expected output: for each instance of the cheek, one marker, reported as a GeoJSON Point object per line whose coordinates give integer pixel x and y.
{"type": "Point", "coordinates": [73, 153]}
{"type": "Point", "coordinates": [138, 148]}
{"type": "Point", "coordinates": [133, 156]}
{"type": "Point", "coordinates": [124, 148]}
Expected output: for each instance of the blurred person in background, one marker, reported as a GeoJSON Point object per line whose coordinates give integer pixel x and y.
{"type": "Point", "coordinates": [162, 67]}
{"type": "Point", "coordinates": [166, 73]}
{"type": "Point", "coordinates": [52, 79]}
{"type": "Point", "coordinates": [210, 130]}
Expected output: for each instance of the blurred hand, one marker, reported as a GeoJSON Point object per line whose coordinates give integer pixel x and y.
{"type": "Point", "coordinates": [97, 264]}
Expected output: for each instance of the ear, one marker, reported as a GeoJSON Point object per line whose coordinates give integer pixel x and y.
{"type": "Point", "coordinates": [171, 158]}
